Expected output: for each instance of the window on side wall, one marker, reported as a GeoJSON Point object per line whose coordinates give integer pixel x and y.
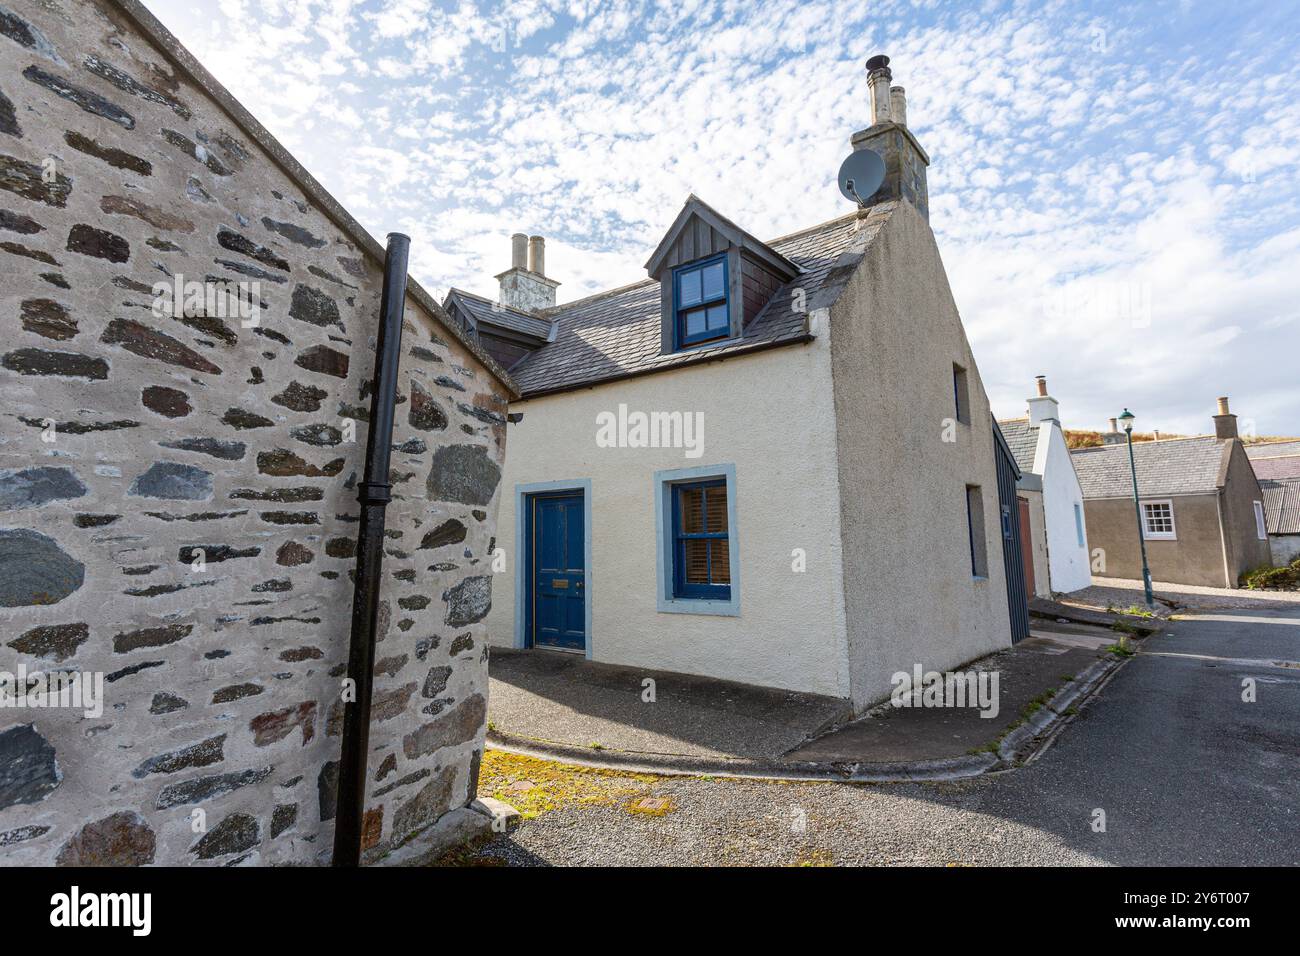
{"type": "Point", "coordinates": [960, 394]}
{"type": "Point", "coordinates": [979, 557]}
{"type": "Point", "coordinates": [1261, 528]}
{"type": "Point", "coordinates": [1078, 522]}
{"type": "Point", "coordinates": [1158, 521]}
{"type": "Point", "coordinates": [700, 307]}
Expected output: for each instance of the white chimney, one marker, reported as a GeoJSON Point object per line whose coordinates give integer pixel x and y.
{"type": "Point", "coordinates": [524, 285]}
{"type": "Point", "coordinates": [1042, 407]}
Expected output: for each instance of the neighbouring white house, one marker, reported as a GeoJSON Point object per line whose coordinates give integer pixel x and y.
{"type": "Point", "coordinates": [771, 462]}
{"type": "Point", "coordinates": [1054, 530]}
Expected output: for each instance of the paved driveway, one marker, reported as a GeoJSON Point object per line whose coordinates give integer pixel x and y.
{"type": "Point", "coordinates": [1184, 770]}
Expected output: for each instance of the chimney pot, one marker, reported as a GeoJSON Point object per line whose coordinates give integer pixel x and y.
{"type": "Point", "coordinates": [518, 251]}
{"type": "Point", "coordinates": [1041, 381]}
{"type": "Point", "coordinates": [1114, 425]}
{"type": "Point", "coordinates": [898, 105]}
{"type": "Point", "coordinates": [878, 77]}
{"type": "Point", "coordinates": [1223, 405]}
{"type": "Point", "coordinates": [537, 255]}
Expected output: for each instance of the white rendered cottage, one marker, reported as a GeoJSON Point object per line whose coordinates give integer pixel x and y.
{"type": "Point", "coordinates": [1053, 520]}
{"type": "Point", "coordinates": [707, 473]}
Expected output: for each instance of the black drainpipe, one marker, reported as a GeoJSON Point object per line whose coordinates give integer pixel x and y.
{"type": "Point", "coordinates": [373, 493]}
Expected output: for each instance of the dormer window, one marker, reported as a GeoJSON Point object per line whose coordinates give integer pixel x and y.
{"type": "Point", "coordinates": [714, 279]}
{"type": "Point", "coordinates": [700, 302]}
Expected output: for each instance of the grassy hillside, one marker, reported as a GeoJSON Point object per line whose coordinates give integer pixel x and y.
{"type": "Point", "coordinates": [1081, 438]}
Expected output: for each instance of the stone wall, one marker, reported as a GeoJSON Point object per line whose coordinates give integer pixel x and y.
{"type": "Point", "coordinates": [177, 489]}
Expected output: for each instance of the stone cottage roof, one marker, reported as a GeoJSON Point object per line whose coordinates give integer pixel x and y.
{"type": "Point", "coordinates": [1022, 439]}
{"type": "Point", "coordinates": [1276, 460]}
{"type": "Point", "coordinates": [1276, 469]}
{"type": "Point", "coordinates": [616, 334]}
{"type": "Point", "coordinates": [1179, 466]}
{"type": "Point", "coordinates": [1282, 505]}
{"type": "Point", "coordinates": [1273, 449]}
{"type": "Point", "coordinates": [485, 311]}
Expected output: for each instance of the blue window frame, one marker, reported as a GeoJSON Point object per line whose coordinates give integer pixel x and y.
{"type": "Point", "coordinates": [1078, 522]}
{"type": "Point", "coordinates": [700, 308]}
{"type": "Point", "coordinates": [701, 546]}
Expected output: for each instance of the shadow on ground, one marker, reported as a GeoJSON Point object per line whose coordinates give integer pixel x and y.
{"type": "Point", "coordinates": [565, 699]}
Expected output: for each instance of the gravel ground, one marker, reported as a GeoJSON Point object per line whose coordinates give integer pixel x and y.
{"type": "Point", "coordinates": [723, 822]}
{"type": "Point", "coordinates": [1177, 766]}
{"type": "Point", "coordinates": [1122, 593]}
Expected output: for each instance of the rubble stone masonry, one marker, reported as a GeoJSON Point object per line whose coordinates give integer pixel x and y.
{"type": "Point", "coordinates": [177, 486]}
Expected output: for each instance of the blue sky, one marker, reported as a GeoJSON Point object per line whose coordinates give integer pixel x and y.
{"type": "Point", "coordinates": [1115, 187]}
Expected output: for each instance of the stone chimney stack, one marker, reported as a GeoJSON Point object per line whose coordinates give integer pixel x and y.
{"type": "Point", "coordinates": [1114, 436]}
{"type": "Point", "coordinates": [889, 137]}
{"type": "Point", "coordinates": [1225, 423]}
{"type": "Point", "coordinates": [524, 285]}
{"type": "Point", "coordinates": [1042, 407]}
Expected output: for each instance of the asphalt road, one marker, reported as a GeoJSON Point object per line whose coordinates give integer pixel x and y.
{"type": "Point", "coordinates": [1184, 770]}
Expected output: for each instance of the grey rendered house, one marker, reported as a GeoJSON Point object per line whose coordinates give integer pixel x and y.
{"type": "Point", "coordinates": [1202, 507]}
{"type": "Point", "coordinates": [706, 472]}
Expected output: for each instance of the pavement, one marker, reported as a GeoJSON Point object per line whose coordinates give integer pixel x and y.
{"type": "Point", "coordinates": [1123, 593]}
{"type": "Point", "coordinates": [1165, 764]}
{"type": "Point", "coordinates": [561, 705]}
{"type": "Point", "coordinates": [554, 697]}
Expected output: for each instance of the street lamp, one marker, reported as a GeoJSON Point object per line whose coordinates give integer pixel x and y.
{"type": "Point", "coordinates": [1127, 419]}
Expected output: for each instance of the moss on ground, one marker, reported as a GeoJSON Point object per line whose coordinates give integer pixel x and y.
{"type": "Point", "coordinates": [534, 787]}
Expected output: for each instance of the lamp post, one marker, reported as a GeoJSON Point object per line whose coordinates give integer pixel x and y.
{"type": "Point", "coordinates": [1128, 418]}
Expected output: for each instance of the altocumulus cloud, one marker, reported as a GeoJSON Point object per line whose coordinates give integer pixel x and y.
{"type": "Point", "coordinates": [1114, 187]}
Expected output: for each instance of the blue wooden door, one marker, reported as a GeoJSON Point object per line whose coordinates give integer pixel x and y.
{"type": "Point", "coordinates": [558, 600]}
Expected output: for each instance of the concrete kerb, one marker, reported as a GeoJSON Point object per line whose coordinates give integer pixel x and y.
{"type": "Point", "coordinates": [1018, 746]}
{"type": "Point", "coordinates": [1025, 740]}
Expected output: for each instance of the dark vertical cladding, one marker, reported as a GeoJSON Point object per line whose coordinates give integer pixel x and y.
{"type": "Point", "coordinates": [374, 493]}
{"type": "Point", "coordinates": [1012, 539]}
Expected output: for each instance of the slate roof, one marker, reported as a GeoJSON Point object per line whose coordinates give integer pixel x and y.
{"type": "Point", "coordinates": [1275, 460]}
{"type": "Point", "coordinates": [1179, 466]}
{"type": "Point", "coordinates": [1273, 449]}
{"type": "Point", "coordinates": [1276, 469]}
{"type": "Point", "coordinates": [1022, 439]}
{"type": "Point", "coordinates": [616, 334]}
{"type": "Point", "coordinates": [485, 311]}
{"type": "Point", "coordinates": [1282, 506]}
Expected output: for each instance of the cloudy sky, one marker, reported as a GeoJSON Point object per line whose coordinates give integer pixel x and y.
{"type": "Point", "coordinates": [1115, 187]}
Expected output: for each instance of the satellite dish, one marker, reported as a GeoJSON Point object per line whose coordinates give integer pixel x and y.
{"type": "Point", "coordinates": [861, 174]}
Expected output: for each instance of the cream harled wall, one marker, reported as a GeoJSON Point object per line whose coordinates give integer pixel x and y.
{"type": "Point", "coordinates": [769, 415]}
{"type": "Point", "coordinates": [911, 597]}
